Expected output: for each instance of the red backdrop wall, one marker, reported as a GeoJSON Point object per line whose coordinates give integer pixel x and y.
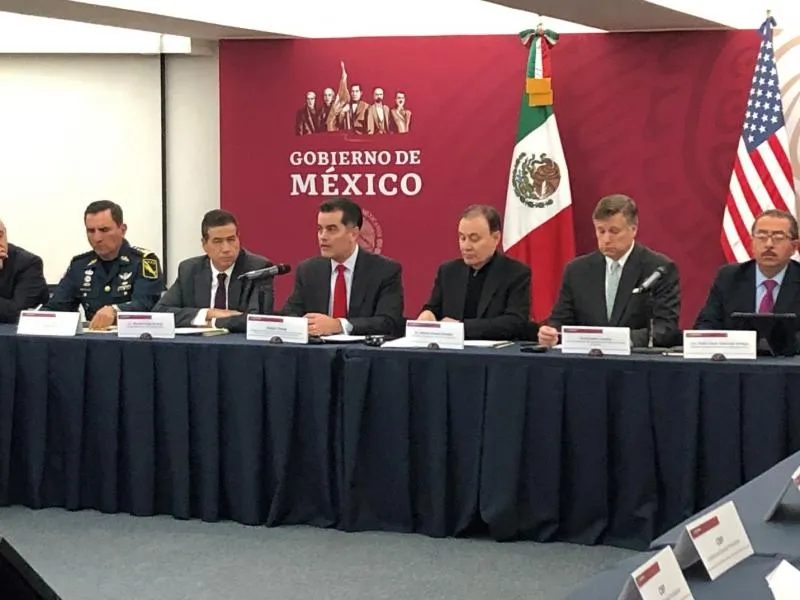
{"type": "Point", "coordinates": [655, 116]}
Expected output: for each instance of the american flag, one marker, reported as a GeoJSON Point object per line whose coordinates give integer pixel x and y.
{"type": "Point", "coordinates": [762, 174]}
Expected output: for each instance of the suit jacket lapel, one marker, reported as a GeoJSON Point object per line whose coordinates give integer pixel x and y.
{"type": "Point", "coordinates": [235, 285]}
{"type": "Point", "coordinates": [202, 285]}
{"type": "Point", "coordinates": [490, 286]}
{"type": "Point", "coordinates": [358, 285]}
{"type": "Point", "coordinates": [630, 275]}
{"type": "Point", "coordinates": [790, 287]}
{"type": "Point", "coordinates": [323, 277]}
{"type": "Point", "coordinates": [596, 281]}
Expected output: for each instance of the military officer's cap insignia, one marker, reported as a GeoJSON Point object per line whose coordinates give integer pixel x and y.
{"type": "Point", "coordinates": [150, 268]}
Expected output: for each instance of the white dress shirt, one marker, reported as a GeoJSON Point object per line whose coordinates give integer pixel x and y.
{"type": "Point", "coordinates": [200, 318]}
{"type": "Point", "coordinates": [349, 266]}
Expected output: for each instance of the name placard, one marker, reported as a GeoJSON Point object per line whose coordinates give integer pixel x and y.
{"type": "Point", "coordinates": [61, 324]}
{"type": "Point", "coordinates": [292, 330]}
{"type": "Point", "coordinates": [444, 333]}
{"type": "Point", "coordinates": [157, 325]}
{"type": "Point", "coordinates": [717, 538]}
{"type": "Point", "coordinates": [609, 340]}
{"type": "Point", "coordinates": [731, 344]}
{"type": "Point", "coordinates": [658, 578]}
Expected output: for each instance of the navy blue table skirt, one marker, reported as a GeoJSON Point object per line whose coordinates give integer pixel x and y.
{"type": "Point", "coordinates": [210, 428]}
{"type": "Point", "coordinates": [517, 446]}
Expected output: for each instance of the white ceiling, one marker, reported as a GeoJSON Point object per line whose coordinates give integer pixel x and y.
{"type": "Point", "coordinates": [218, 19]}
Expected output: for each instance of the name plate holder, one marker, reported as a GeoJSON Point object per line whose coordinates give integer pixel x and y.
{"type": "Point", "coordinates": [277, 329]}
{"type": "Point", "coordinates": [596, 341]}
{"type": "Point", "coordinates": [659, 577]}
{"type": "Point", "coordinates": [720, 345]}
{"type": "Point", "coordinates": [786, 507]}
{"type": "Point", "coordinates": [146, 325]}
{"type": "Point", "coordinates": [58, 324]}
{"type": "Point", "coordinates": [717, 539]}
{"type": "Point", "coordinates": [435, 334]}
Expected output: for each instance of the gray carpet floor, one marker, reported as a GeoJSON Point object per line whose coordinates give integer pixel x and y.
{"type": "Point", "coordinates": [91, 556]}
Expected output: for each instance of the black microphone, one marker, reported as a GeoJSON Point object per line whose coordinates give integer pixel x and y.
{"type": "Point", "coordinates": [272, 271]}
{"type": "Point", "coordinates": [650, 281]}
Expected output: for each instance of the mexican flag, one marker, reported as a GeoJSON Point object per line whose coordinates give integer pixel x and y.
{"type": "Point", "coordinates": [538, 218]}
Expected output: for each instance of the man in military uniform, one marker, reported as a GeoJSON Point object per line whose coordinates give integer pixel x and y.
{"type": "Point", "coordinates": [114, 276]}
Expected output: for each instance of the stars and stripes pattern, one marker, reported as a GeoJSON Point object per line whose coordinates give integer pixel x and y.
{"type": "Point", "coordinates": [762, 173]}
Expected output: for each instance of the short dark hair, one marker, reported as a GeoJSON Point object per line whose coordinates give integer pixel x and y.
{"type": "Point", "coordinates": [779, 214]}
{"type": "Point", "coordinates": [352, 85]}
{"type": "Point", "coordinates": [99, 206]}
{"type": "Point", "coordinates": [490, 213]}
{"type": "Point", "coordinates": [216, 218]}
{"type": "Point", "coordinates": [351, 212]}
{"type": "Point", "coordinates": [614, 205]}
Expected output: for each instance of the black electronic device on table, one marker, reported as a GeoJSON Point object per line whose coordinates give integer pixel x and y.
{"type": "Point", "coordinates": [776, 333]}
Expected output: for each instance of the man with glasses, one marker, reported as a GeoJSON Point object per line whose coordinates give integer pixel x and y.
{"type": "Point", "coordinates": [597, 288]}
{"type": "Point", "coordinates": [769, 283]}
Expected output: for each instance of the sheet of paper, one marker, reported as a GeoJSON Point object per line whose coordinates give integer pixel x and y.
{"type": "Point", "coordinates": [200, 331]}
{"type": "Point", "coordinates": [486, 343]}
{"type": "Point", "coordinates": [403, 342]}
{"type": "Point", "coordinates": [112, 329]}
{"type": "Point", "coordinates": [344, 337]}
{"type": "Point", "coordinates": [784, 582]}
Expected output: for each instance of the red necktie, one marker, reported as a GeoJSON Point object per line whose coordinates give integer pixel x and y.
{"type": "Point", "coordinates": [339, 294]}
{"type": "Point", "coordinates": [768, 301]}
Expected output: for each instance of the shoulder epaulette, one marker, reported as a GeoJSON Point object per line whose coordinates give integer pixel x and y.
{"type": "Point", "coordinates": [83, 255]}
{"type": "Point", "coordinates": [142, 251]}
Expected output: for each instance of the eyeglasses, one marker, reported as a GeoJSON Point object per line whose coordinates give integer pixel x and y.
{"type": "Point", "coordinates": [775, 236]}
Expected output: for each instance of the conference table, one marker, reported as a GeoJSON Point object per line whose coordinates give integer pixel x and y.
{"type": "Point", "coordinates": [612, 450]}
{"type": "Point", "coordinates": [773, 539]}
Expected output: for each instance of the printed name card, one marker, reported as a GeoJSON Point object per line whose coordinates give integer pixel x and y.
{"type": "Point", "coordinates": [784, 581]}
{"type": "Point", "coordinates": [658, 578]}
{"type": "Point", "coordinates": [135, 324]}
{"type": "Point", "coordinates": [786, 505]}
{"type": "Point", "coordinates": [731, 344]}
{"type": "Point", "coordinates": [444, 333]}
{"type": "Point", "coordinates": [292, 330]}
{"type": "Point", "coordinates": [609, 340]}
{"type": "Point", "coordinates": [62, 324]}
{"type": "Point", "coordinates": [717, 538]}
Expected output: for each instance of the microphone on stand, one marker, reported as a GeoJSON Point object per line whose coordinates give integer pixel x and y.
{"type": "Point", "coordinates": [268, 272]}
{"type": "Point", "coordinates": [650, 281]}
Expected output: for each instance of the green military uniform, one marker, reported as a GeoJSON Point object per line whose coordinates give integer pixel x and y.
{"type": "Point", "coordinates": [131, 282]}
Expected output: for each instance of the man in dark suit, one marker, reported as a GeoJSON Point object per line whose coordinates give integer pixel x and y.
{"type": "Point", "coordinates": [770, 282]}
{"type": "Point", "coordinates": [346, 289]}
{"type": "Point", "coordinates": [208, 291]}
{"type": "Point", "coordinates": [597, 288]}
{"type": "Point", "coordinates": [487, 291]}
{"type": "Point", "coordinates": [22, 283]}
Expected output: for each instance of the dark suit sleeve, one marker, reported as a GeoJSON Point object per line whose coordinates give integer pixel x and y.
{"type": "Point", "coordinates": [146, 290]}
{"type": "Point", "coordinates": [175, 300]}
{"type": "Point", "coordinates": [511, 325]}
{"type": "Point", "coordinates": [388, 317]}
{"type": "Point", "coordinates": [712, 315]}
{"type": "Point", "coordinates": [294, 305]}
{"type": "Point", "coordinates": [30, 290]}
{"type": "Point", "coordinates": [563, 312]}
{"type": "Point", "coordinates": [65, 296]}
{"type": "Point", "coordinates": [238, 323]}
{"type": "Point", "coordinates": [434, 303]}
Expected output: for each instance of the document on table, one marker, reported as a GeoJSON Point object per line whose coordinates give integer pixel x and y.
{"type": "Point", "coordinates": [200, 331]}
{"type": "Point", "coordinates": [487, 343]}
{"type": "Point", "coordinates": [342, 338]}
{"type": "Point", "coordinates": [112, 329]}
{"type": "Point", "coordinates": [405, 342]}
